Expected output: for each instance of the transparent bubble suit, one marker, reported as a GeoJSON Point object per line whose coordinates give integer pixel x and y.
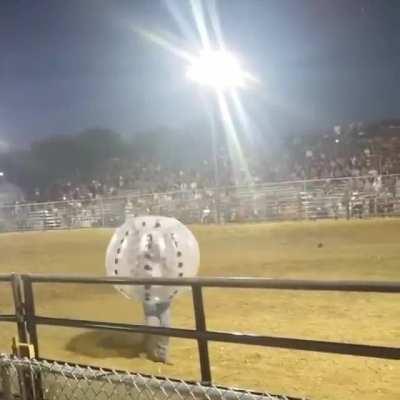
{"type": "Point", "coordinates": [152, 247]}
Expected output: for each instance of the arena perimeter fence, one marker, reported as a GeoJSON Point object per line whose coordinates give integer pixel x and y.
{"type": "Point", "coordinates": [40, 379]}
{"type": "Point", "coordinates": [296, 200]}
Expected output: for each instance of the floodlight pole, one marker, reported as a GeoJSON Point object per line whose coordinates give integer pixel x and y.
{"type": "Point", "coordinates": [218, 70]}
{"type": "Point", "coordinates": [209, 103]}
{"type": "Point", "coordinates": [214, 149]}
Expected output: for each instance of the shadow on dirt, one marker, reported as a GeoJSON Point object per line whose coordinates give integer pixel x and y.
{"type": "Point", "coordinates": [107, 344]}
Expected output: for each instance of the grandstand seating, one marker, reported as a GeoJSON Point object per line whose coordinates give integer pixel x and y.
{"type": "Point", "coordinates": [315, 199]}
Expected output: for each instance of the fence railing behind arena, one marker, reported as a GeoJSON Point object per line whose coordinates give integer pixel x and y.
{"type": "Point", "coordinates": [40, 379]}
{"type": "Point", "coordinates": [313, 199]}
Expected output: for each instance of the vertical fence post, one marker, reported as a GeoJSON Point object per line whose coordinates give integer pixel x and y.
{"type": "Point", "coordinates": [102, 212]}
{"type": "Point", "coordinates": [201, 327]}
{"type": "Point", "coordinates": [22, 373]}
{"type": "Point", "coordinates": [29, 379]}
{"type": "Point", "coordinates": [36, 379]}
{"type": "Point", "coordinates": [30, 313]}
{"type": "Point", "coordinates": [5, 369]}
{"type": "Point", "coordinates": [17, 289]}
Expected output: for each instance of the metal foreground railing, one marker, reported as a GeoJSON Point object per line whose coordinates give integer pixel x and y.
{"type": "Point", "coordinates": [30, 373]}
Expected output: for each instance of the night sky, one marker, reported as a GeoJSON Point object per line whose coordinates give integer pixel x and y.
{"type": "Point", "coordinates": [70, 65]}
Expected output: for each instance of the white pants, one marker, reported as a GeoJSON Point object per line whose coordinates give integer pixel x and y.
{"type": "Point", "coordinates": [157, 314]}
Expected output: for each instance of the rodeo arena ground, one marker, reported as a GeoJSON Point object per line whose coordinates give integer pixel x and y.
{"type": "Point", "coordinates": [242, 253]}
{"type": "Point", "coordinates": [319, 317]}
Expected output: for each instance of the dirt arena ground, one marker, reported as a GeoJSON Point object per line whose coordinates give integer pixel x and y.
{"type": "Point", "coordinates": [350, 250]}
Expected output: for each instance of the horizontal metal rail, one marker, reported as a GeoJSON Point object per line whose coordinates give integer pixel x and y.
{"type": "Point", "coordinates": [30, 320]}
{"type": "Point", "coordinates": [8, 318]}
{"type": "Point", "coordinates": [245, 283]}
{"type": "Point", "coordinates": [231, 337]}
{"type": "Point", "coordinates": [7, 278]}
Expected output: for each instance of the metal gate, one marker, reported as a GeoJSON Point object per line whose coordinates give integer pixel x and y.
{"type": "Point", "coordinates": [31, 373]}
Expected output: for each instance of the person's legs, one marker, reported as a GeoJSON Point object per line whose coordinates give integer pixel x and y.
{"type": "Point", "coordinates": [164, 313]}
{"type": "Point", "coordinates": [157, 314]}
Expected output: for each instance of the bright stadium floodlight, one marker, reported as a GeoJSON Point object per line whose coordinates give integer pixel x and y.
{"type": "Point", "coordinates": [217, 69]}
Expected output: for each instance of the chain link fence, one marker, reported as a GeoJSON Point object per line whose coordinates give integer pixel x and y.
{"type": "Point", "coordinates": [30, 379]}
{"type": "Point", "coordinates": [359, 197]}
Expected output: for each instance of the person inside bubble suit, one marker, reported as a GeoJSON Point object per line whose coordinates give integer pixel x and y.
{"type": "Point", "coordinates": [156, 311]}
{"type": "Point", "coordinates": [151, 247]}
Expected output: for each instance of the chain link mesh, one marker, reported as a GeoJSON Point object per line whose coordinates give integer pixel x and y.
{"type": "Point", "coordinates": [62, 381]}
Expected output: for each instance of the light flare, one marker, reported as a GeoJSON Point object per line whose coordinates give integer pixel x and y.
{"type": "Point", "coordinates": [217, 69]}
{"type": "Point", "coordinates": [236, 155]}
{"type": "Point", "coordinates": [213, 66]}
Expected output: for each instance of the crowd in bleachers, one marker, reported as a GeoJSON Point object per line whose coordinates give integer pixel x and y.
{"type": "Point", "coordinates": [338, 198]}
{"type": "Point", "coordinates": [351, 172]}
{"type": "Point", "coordinates": [349, 151]}
{"type": "Point", "coordinates": [354, 152]}
{"type": "Point", "coordinates": [144, 179]}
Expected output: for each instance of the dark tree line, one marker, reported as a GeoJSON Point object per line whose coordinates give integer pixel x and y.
{"type": "Point", "coordinates": [94, 153]}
